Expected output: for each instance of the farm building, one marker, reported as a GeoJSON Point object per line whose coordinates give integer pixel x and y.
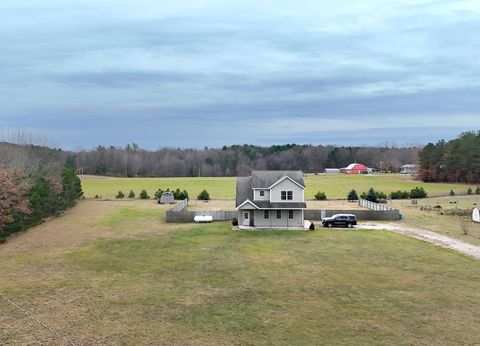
{"type": "Point", "coordinates": [355, 168]}
{"type": "Point", "coordinates": [271, 200]}
{"type": "Point", "coordinates": [409, 168]}
{"type": "Point", "coordinates": [332, 170]}
{"type": "Point", "coordinates": [476, 215]}
{"type": "Point", "coordinates": [167, 198]}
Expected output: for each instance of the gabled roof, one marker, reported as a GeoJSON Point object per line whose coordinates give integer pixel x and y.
{"type": "Point", "coordinates": [263, 180]}
{"type": "Point", "coordinates": [352, 165]}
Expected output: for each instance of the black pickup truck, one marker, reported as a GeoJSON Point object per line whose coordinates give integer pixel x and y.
{"type": "Point", "coordinates": [340, 220]}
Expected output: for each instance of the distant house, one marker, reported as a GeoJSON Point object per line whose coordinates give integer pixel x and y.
{"type": "Point", "coordinates": [355, 168]}
{"type": "Point", "coordinates": [332, 170]}
{"type": "Point", "coordinates": [271, 200]}
{"type": "Point", "coordinates": [409, 168]}
{"type": "Point", "coordinates": [167, 197]}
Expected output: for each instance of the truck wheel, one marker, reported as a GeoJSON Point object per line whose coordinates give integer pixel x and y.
{"type": "Point", "coordinates": [349, 225]}
{"type": "Point", "coordinates": [329, 225]}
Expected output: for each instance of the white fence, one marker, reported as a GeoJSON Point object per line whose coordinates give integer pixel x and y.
{"type": "Point", "coordinates": [373, 206]}
{"type": "Point", "coordinates": [180, 206]}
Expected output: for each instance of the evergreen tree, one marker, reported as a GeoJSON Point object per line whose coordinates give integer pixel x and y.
{"type": "Point", "coordinates": [131, 194]}
{"type": "Point", "coordinates": [72, 187]}
{"type": "Point", "coordinates": [120, 195]}
{"type": "Point", "coordinates": [144, 194]}
{"type": "Point", "coordinates": [352, 195]}
{"type": "Point", "coordinates": [203, 196]}
{"type": "Point", "coordinates": [371, 195]}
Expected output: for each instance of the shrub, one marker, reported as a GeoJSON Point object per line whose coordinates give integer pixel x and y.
{"type": "Point", "coordinates": [469, 191]}
{"type": "Point", "coordinates": [371, 195]}
{"type": "Point", "coordinates": [131, 194]}
{"type": "Point", "coordinates": [320, 196]}
{"type": "Point", "coordinates": [120, 195]}
{"type": "Point", "coordinates": [381, 195]}
{"type": "Point", "coordinates": [400, 195]}
{"type": "Point", "coordinates": [234, 221]}
{"type": "Point", "coordinates": [312, 227]}
{"type": "Point", "coordinates": [204, 196]}
{"type": "Point", "coordinates": [96, 197]}
{"type": "Point", "coordinates": [177, 194]}
{"type": "Point", "coordinates": [183, 194]}
{"type": "Point", "coordinates": [477, 190]}
{"type": "Point", "coordinates": [352, 195]}
{"type": "Point", "coordinates": [452, 193]}
{"type": "Point", "coordinates": [158, 193]}
{"type": "Point", "coordinates": [363, 195]}
{"type": "Point", "coordinates": [144, 194]}
{"type": "Point", "coordinates": [418, 192]}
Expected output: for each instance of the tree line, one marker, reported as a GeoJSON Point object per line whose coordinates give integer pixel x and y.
{"type": "Point", "coordinates": [457, 160]}
{"type": "Point", "coordinates": [35, 182]}
{"type": "Point", "coordinates": [132, 161]}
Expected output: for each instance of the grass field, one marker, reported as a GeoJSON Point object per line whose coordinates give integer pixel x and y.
{"type": "Point", "coordinates": [122, 276]}
{"type": "Point", "coordinates": [336, 186]}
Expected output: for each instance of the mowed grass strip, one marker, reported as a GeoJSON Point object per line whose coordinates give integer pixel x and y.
{"type": "Point", "coordinates": [206, 284]}
{"type": "Point", "coordinates": [336, 186]}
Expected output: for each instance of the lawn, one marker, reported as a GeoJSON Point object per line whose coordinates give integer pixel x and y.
{"type": "Point", "coordinates": [122, 276]}
{"type": "Point", "coordinates": [336, 186]}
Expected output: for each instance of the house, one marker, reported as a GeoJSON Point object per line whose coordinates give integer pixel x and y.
{"type": "Point", "coordinates": [355, 168]}
{"type": "Point", "coordinates": [167, 197]}
{"type": "Point", "coordinates": [409, 168]}
{"type": "Point", "coordinates": [271, 200]}
{"type": "Point", "coordinates": [332, 170]}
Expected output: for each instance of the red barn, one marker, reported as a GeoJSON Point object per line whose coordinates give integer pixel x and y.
{"type": "Point", "coordinates": [355, 168]}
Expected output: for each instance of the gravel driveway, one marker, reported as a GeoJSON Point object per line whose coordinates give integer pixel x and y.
{"type": "Point", "coordinates": [429, 236]}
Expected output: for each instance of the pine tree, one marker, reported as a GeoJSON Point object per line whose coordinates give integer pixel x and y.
{"type": "Point", "coordinates": [352, 195]}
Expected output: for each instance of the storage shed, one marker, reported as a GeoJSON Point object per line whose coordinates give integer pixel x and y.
{"type": "Point", "coordinates": [167, 198]}
{"type": "Point", "coordinates": [476, 215]}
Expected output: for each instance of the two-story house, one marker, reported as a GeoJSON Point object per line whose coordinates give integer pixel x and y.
{"type": "Point", "coordinates": [271, 200]}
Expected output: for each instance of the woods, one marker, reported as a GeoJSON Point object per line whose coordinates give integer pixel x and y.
{"type": "Point", "coordinates": [35, 183]}
{"type": "Point", "coordinates": [457, 160]}
{"type": "Point", "coordinates": [132, 161]}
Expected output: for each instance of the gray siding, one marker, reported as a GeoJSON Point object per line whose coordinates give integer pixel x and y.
{"type": "Point", "coordinates": [257, 197]}
{"type": "Point", "coordinates": [286, 185]}
{"type": "Point", "coordinates": [272, 221]}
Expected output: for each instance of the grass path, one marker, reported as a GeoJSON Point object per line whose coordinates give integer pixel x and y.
{"type": "Point", "coordinates": [114, 273]}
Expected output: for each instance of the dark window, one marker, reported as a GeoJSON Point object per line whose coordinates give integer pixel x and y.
{"type": "Point", "coordinates": [262, 193]}
{"type": "Point", "coordinates": [284, 195]}
{"type": "Point", "coordinates": [290, 214]}
{"type": "Point", "coordinates": [245, 215]}
{"type": "Point", "coordinates": [279, 214]}
{"type": "Point", "coordinates": [266, 214]}
{"type": "Point", "coordinates": [289, 195]}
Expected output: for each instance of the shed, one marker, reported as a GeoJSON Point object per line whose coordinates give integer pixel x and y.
{"type": "Point", "coordinates": [476, 215]}
{"type": "Point", "coordinates": [167, 198]}
{"type": "Point", "coordinates": [332, 170]}
{"type": "Point", "coordinates": [409, 168]}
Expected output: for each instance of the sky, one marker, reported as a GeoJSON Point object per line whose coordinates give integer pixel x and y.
{"type": "Point", "coordinates": [213, 73]}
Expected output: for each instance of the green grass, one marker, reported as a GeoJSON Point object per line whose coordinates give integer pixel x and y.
{"type": "Point", "coordinates": [207, 284]}
{"type": "Point", "coordinates": [336, 186]}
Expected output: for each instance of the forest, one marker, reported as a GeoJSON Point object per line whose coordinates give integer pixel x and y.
{"type": "Point", "coordinates": [236, 160]}
{"type": "Point", "coordinates": [35, 182]}
{"type": "Point", "coordinates": [457, 160]}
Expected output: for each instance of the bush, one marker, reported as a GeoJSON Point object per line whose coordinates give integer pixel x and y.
{"type": "Point", "coordinates": [477, 190]}
{"type": "Point", "coordinates": [120, 195]}
{"type": "Point", "coordinates": [363, 195]}
{"type": "Point", "coordinates": [469, 191]}
{"type": "Point", "coordinates": [176, 194]}
{"type": "Point", "coordinates": [96, 197]}
{"type": "Point", "coordinates": [320, 196]}
{"type": "Point", "coordinates": [371, 195]}
{"type": "Point", "coordinates": [144, 194]}
{"type": "Point", "coordinates": [418, 192]}
{"type": "Point", "coordinates": [184, 194]}
{"type": "Point", "coordinates": [381, 195]}
{"type": "Point", "coordinates": [131, 194]}
{"type": "Point", "coordinates": [234, 221]}
{"type": "Point", "coordinates": [452, 193]}
{"type": "Point", "coordinates": [204, 196]}
{"type": "Point", "coordinates": [312, 227]}
{"type": "Point", "coordinates": [400, 195]}
{"type": "Point", "coordinates": [158, 194]}
{"type": "Point", "coordinates": [352, 195]}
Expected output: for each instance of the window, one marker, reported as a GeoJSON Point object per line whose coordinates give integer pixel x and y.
{"type": "Point", "coordinates": [289, 195]}
{"type": "Point", "coordinates": [290, 214]}
{"type": "Point", "coordinates": [262, 193]}
{"type": "Point", "coordinates": [246, 215]}
{"type": "Point", "coordinates": [266, 214]}
{"type": "Point", "coordinates": [286, 195]}
{"type": "Point", "coordinates": [279, 214]}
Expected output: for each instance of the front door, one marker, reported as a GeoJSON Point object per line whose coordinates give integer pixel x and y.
{"type": "Point", "coordinates": [246, 218]}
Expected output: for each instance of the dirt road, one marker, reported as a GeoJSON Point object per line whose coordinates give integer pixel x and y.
{"type": "Point", "coordinates": [429, 236]}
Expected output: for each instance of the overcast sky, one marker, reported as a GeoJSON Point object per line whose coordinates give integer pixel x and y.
{"type": "Point", "coordinates": [196, 73]}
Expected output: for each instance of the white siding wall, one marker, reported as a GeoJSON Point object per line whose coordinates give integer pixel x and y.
{"type": "Point", "coordinates": [286, 185]}
{"type": "Point", "coordinates": [257, 197]}
{"type": "Point", "coordinates": [285, 222]}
